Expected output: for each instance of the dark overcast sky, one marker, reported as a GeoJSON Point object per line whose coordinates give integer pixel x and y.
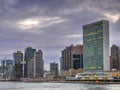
{"type": "Point", "coordinates": [51, 25]}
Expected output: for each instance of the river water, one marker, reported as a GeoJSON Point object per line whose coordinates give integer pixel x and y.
{"type": "Point", "coordinates": [56, 86]}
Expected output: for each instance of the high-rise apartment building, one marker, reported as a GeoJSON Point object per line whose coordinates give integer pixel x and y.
{"type": "Point", "coordinates": [96, 46]}
{"type": "Point", "coordinates": [18, 68]}
{"type": "Point", "coordinates": [54, 69]}
{"type": "Point", "coordinates": [69, 55]}
{"type": "Point", "coordinates": [7, 68]}
{"type": "Point", "coordinates": [34, 67]}
{"type": "Point", "coordinates": [39, 64]}
{"type": "Point", "coordinates": [77, 57]}
{"type": "Point", "coordinates": [31, 73]}
{"type": "Point", "coordinates": [29, 58]}
{"type": "Point", "coordinates": [115, 57]}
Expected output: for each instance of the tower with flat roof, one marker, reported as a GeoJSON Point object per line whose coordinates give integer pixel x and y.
{"type": "Point", "coordinates": [18, 68]}
{"type": "Point", "coordinates": [115, 57]}
{"type": "Point", "coordinates": [96, 46]}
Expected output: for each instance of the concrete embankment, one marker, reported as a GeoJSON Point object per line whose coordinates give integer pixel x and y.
{"type": "Point", "coordinates": [88, 82]}
{"type": "Point", "coordinates": [68, 81]}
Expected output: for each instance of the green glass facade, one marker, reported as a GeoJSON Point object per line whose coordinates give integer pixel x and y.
{"type": "Point", "coordinates": [93, 46]}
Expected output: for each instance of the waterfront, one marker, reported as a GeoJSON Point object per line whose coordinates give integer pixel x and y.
{"type": "Point", "coordinates": [56, 86]}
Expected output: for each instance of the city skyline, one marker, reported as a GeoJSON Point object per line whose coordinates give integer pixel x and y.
{"type": "Point", "coordinates": [51, 25]}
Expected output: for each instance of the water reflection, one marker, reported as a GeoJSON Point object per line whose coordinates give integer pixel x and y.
{"type": "Point", "coordinates": [97, 88]}
{"type": "Point", "coordinates": [56, 86]}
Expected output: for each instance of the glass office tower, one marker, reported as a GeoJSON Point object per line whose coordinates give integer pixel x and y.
{"type": "Point", "coordinates": [96, 46]}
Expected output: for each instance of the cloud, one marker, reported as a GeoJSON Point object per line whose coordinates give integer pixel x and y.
{"type": "Point", "coordinates": [75, 36]}
{"type": "Point", "coordinates": [39, 22]}
{"type": "Point", "coordinates": [112, 17]}
{"type": "Point", "coordinates": [28, 23]}
{"type": "Point", "coordinates": [110, 9]}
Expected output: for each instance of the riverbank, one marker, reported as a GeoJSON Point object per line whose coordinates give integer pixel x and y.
{"type": "Point", "coordinates": [66, 81]}
{"type": "Point", "coordinates": [86, 82]}
{"type": "Point", "coordinates": [81, 82]}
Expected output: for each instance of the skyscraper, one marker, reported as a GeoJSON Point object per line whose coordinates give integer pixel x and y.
{"type": "Point", "coordinates": [54, 69]}
{"type": "Point", "coordinates": [18, 69]}
{"type": "Point", "coordinates": [39, 64]}
{"type": "Point", "coordinates": [68, 55]}
{"type": "Point", "coordinates": [96, 46]}
{"type": "Point", "coordinates": [66, 59]}
{"type": "Point", "coordinates": [77, 57]}
{"type": "Point", "coordinates": [34, 67]}
{"type": "Point", "coordinates": [7, 65]}
{"type": "Point", "coordinates": [29, 59]}
{"type": "Point", "coordinates": [115, 57]}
